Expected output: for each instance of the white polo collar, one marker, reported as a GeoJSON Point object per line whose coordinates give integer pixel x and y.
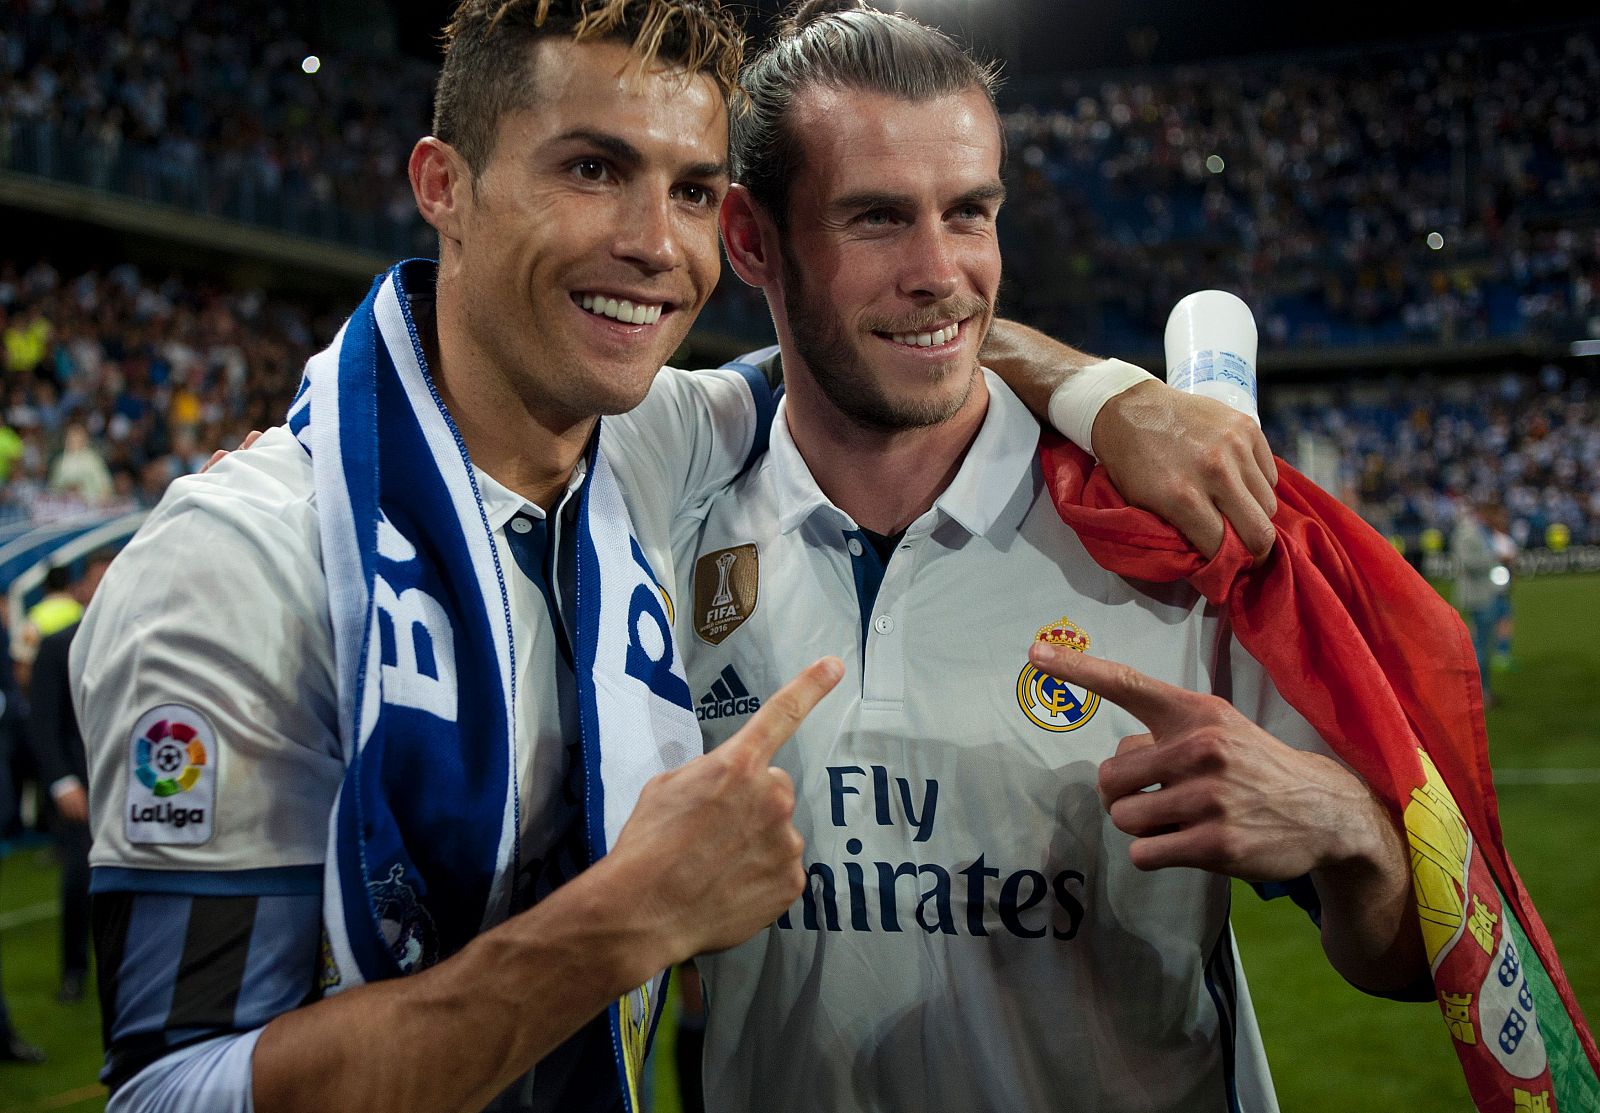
{"type": "Point", "coordinates": [1000, 457]}
{"type": "Point", "coordinates": [501, 503]}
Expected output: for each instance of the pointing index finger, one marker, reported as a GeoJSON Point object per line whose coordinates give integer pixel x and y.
{"type": "Point", "coordinates": [1158, 705]}
{"type": "Point", "coordinates": [779, 717]}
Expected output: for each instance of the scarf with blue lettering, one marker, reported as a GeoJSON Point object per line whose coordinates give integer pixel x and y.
{"type": "Point", "coordinates": [423, 837]}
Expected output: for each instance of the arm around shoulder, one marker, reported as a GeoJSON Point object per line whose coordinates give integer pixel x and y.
{"type": "Point", "coordinates": [692, 435]}
{"type": "Point", "coordinates": [1191, 460]}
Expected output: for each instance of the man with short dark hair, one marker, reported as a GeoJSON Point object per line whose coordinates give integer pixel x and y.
{"type": "Point", "coordinates": [390, 740]}
{"type": "Point", "coordinates": [996, 916]}
{"type": "Point", "coordinates": [56, 611]}
{"type": "Point", "coordinates": [377, 697]}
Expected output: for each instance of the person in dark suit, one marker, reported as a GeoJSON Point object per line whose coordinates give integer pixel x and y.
{"type": "Point", "coordinates": [13, 1048]}
{"type": "Point", "coordinates": [64, 770]}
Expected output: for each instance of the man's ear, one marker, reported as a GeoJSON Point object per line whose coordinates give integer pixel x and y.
{"type": "Point", "coordinates": [441, 183]}
{"type": "Point", "coordinates": [749, 237]}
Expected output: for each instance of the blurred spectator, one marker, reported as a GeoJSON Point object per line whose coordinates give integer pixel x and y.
{"type": "Point", "coordinates": [11, 450]}
{"type": "Point", "coordinates": [26, 341]}
{"type": "Point", "coordinates": [13, 1048]}
{"type": "Point", "coordinates": [63, 770]}
{"type": "Point", "coordinates": [79, 469]}
{"type": "Point", "coordinates": [59, 609]}
{"type": "Point", "coordinates": [1480, 580]}
{"type": "Point", "coordinates": [1505, 550]}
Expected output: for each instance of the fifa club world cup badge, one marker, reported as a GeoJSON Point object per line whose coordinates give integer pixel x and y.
{"type": "Point", "coordinates": [726, 584]}
{"type": "Point", "coordinates": [1053, 704]}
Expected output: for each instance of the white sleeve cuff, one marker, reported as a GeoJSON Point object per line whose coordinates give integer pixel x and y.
{"type": "Point", "coordinates": [1077, 402]}
{"type": "Point", "coordinates": [63, 785]}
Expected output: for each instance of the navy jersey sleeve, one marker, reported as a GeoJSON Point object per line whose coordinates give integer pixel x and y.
{"type": "Point", "coordinates": [181, 968]}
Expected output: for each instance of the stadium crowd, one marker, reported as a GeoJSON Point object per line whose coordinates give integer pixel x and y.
{"type": "Point", "coordinates": [189, 104]}
{"type": "Point", "coordinates": [1308, 185]}
{"type": "Point", "coordinates": [1416, 453]}
{"type": "Point", "coordinates": [1311, 186]}
{"type": "Point", "coordinates": [115, 383]}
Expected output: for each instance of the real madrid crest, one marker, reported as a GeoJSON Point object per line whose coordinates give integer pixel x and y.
{"type": "Point", "coordinates": [726, 584]}
{"type": "Point", "coordinates": [1051, 703]}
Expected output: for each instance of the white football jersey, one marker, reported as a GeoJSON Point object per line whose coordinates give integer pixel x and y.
{"type": "Point", "coordinates": [205, 685]}
{"type": "Point", "coordinates": [974, 936]}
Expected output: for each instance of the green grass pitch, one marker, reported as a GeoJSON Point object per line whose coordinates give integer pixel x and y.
{"type": "Point", "coordinates": [1332, 1050]}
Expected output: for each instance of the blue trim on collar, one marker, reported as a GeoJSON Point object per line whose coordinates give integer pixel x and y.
{"type": "Point", "coordinates": [868, 569]}
{"type": "Point", "coordinates": [763, 394]}
{"type": "Point", "coordinates": [534, 556]}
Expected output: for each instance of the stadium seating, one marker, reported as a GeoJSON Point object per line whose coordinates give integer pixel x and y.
{"type": "Point", "coordinates": [1308, 185]}
{"type": "Point", "coordinates": [157, 373]}
{"type": "Point", "coordinates": [1414, 451]}
{"type": "Point", "coordinates": [1311, 187]}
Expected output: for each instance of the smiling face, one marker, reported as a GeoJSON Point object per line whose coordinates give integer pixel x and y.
{"type": "Point", "coordinates": [890, 262]}
{"type": "Point", "coordinates": [589, 242]}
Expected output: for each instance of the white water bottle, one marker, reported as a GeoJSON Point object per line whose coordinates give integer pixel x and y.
{"type": "Point", "coordinates": [1211, 349]}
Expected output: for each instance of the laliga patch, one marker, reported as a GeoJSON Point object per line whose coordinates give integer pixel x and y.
{"type": "Point", "coordinates": [172, 778]}
{"type": "Point", "coordinates": [1050, 703]}
{"type": "Point", "coordinates": [726, 583]}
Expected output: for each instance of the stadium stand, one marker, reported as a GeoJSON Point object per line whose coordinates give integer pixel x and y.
{"type": "Point", "coordinates": [1415, 452]}
{"type": "Point", "coordinates": [190, 105]}
{"type": "Point", "coordinates": [116, 384]}
{"type": "Point", "coordinates": [1310, 186]}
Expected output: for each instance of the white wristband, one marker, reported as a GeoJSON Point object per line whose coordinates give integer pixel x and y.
{"type": "Point", "coordinates": [1077, 402]}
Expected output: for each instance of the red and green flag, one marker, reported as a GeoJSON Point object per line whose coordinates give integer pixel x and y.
{"type": "Point", "coordinates": [1383, 668]}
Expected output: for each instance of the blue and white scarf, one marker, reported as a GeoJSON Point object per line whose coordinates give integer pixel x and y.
{"type": "Point", "coordinates": [423, 837]}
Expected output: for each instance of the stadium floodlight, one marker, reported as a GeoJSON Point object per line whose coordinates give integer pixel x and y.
{"type": "Point", "coordinates": [311, 63]}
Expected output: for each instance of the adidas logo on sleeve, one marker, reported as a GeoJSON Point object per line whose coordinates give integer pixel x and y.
{"type": "Point", "coordinates": [728, 696]}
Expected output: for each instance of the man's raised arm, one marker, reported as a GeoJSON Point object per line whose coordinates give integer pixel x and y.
{"type": "Point", "coordinates": [1192, 460]}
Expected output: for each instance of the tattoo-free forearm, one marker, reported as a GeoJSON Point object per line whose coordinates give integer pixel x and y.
{"type": "Point", "coordinates": [484, 1016]}
{"type": "Point", "coordinates": [1031, 363]}
{"type": "Point", "coordinates": [1369, 919]}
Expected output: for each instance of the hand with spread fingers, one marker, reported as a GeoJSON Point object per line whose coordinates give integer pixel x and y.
{"type": "Point", "coordinates": [1208, 789]}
